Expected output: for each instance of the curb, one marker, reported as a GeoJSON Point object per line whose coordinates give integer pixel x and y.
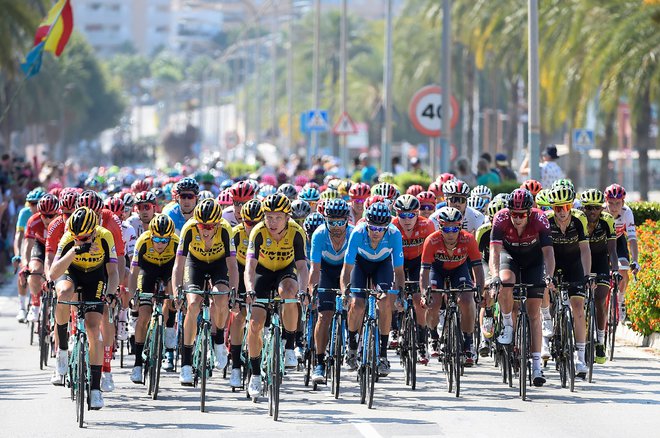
{"type": "Point", "coordinates": [626, 334]}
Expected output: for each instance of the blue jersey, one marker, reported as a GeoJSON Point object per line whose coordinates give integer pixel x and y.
{"type": "Point", "coordinates": [23, 217]}
{"type": "Point", "coordinates": [322, 249]}
{"type": "Point", "coordinates": [174, 212]}
{"type": "Point", "coordinates": [390, 244]}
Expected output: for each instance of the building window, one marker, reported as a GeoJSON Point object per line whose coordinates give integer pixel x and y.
{"type": "Point", "coordinates": [95, 6]}
{"type": "Point", "coordinates": [93, 28]}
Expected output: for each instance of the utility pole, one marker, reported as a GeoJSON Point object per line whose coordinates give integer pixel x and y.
{"type": "Point", "coordinates": [315, 79]}
{"type": "Point", "coordinates": [534, 111]}
{"type": "Point", "coordinates": [386, 137]}
{"type": "Point", "coordinates": [289, 77]}
{"type": "Point", "coordinates": [445, 138]}
{"type": "Point", "coordinates": [343, 60]}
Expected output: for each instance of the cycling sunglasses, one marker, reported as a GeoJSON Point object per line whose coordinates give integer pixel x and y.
{"type": "Point", "coordinates": [592, 207]}
{"type": "Point", "coordinates": [427, 207]}
{"type": "Point", "coordinates": [187, 196]}
{"type": "Point", "coordinates": [519, 214]}
{"type": "Point", "coordinates": [408, 215]}
{"type": "Point", "coordinates": [49, 216]}
{"type": "Point", "coordinates": [563, 207]}
{"type": "Point", "coordinates": [205, 226]}
{"type": "Point", "coordinates": [358, 201]}
{"type": "Point", "coordinates": [145, 207]}
{"type": "Point", "coordinates": [337, 223]}
{"type": "Point", "coordinates": [251, 223]}
{"type": "Point", "coordinates": [376, 228]}
{"type": "Point", "coordinates": [161, 239]}
{"type": "Point", "coordinates": [453, 229]}
{"type": "Point", "coordinates": [83, 239]}
{"type": "Point", "coordinates": [457, 199]}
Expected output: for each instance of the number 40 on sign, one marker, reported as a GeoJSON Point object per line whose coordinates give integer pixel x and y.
{"type": "Point", "coordinates": [425, 111]}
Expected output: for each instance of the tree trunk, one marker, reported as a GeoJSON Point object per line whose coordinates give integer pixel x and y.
{"type": "Point", "coordinates": [469, 97]}
{"type": "Point", "coordinates": [512, 125]}
{"type": "Point", "coordinates": [643, 140]}
{"type": "Point", "coordinates": [604, 178]}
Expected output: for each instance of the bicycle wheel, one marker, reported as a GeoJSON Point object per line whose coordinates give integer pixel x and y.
{"type": "Point", "coordinates": [590, 350]}
{"type": "Point", "coordinates": [522, 339]}
{"type": "Point", "coordinates": [448, 359]}
{"type": "Point", "coordinates": [457, 352]}
{"type": "Point", "coordinates": [569, 348]}
{"type": "Point", "coordinates": [203, 365]}
{"type": "Point", "coordinates": [612, 322]}
{"type": "Point", "coordinates": [412, 348]}
{"type": "Point", "coordinates": [43, 337]}
{"type": "Point", "coordinates": [158, 339]}
{"type": "Point", "coordinates": [373, 363]}
{"type": "Point", "coordinates": [82, 381]}
{"type": "Point", "coordinates": [363, 370]}
{"type": "Point", "coordinates": [121, 354]}
{"type": "Point", "coordinates": [31, 325]}
{"type": "Point", "coordinates": [275, 366]}
{"type": "Point", "coordinates": [337, 356]}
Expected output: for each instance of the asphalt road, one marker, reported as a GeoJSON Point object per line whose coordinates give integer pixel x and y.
{"type": "Point", "coordinates": [624, 400]}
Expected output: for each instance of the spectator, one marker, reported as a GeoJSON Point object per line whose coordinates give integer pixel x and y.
{"type": "Point", "coordinates": [550, 170]}
{"type": "Point", "coordinates": [485, 176]}
{"type": "Point", "coordinates": [504, 169]}
{"type": "Point", "coordinates": [397, 167]}
{"type": "Point", "coordinates": [415, 165]}
{"type": "Point", "coordinates": [464, 173]}
{"type": "Point", "coordinates": [368, 173]}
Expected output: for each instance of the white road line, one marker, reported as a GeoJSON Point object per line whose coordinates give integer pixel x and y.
{"type": "Point", "coordinates": [367, 430]}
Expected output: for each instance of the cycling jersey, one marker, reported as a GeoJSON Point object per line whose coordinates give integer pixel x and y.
{"type": "Point", "coordinates": [146, 253]}
{"type": "Point", "coordinates": [322, 249]}
{"type": "Point", "coordinates": [602, 232]}
{"type": "Point", "coordinates": [436, 254]}
{"type": "Point", "coordinates": [174, 212]}
{"type": "Point", "coordinates": [103, 251]}
{"type": "Point", "coordinates": [137, 224]}
{"type": "Point", "coordinates": [527, 245]}
{"type": "Point", "coordinates": [472, 220]}
{"type": "Point", "coordinates": [273, 255]}
{"type": "Point", "coordinates": [36, 229]}
{"type": "Point", "coordinates": [55, 232]}
{"type": "Point", "coordinates": [241, 240]}
{"type": "Point", "coordinates": [566, 243]}
{"type": "Point", "coordinates": [191, 242]}
{"type": "Point", "coordinates": [109, 221]}
{"type": "Point", "coordinates": [625, 223]}
{"type": "Point", "coordinates": [229, 216]}
{"type": "Point", "coordinates": [23, 217]}
{"type": "Point", "coordinates": [129, 237]}
{"type": "Point", "coordinates": [413, 243]}
{"type": "Point", "coordinates": [483, 239]}
{"type": "Point", "coordinates": [360, 244]}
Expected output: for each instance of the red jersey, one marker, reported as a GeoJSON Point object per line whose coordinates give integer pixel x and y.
{"type": "Point", "coordinates": [536, 234]}
{"type": "Point", "coordinates": [109, 221]}
{"type": "Point", "coordinates": [56, 230]}
{"type": "Point", "coordinates": [36, 229]}
{"type": "Point", "coordinates": [414, 242]}
{"type": "Point", "coordinates": [435, 251]}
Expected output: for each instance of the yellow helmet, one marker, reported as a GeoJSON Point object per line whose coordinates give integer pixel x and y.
{"type": "Point", "coordinates": [208, 212]}
{"type": "Point", "coordinates": [83, 221]}
{"type": "Point", "coordinates": [276, 202]}
{"type": "Point", "coordinates": [161, 225]}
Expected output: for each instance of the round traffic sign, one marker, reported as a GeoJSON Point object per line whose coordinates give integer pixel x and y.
{"type": "Point", "coordinates": [425, 111]}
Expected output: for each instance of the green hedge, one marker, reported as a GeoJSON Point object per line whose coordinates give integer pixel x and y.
{"type": "Point", "coordinates": [645, 210]}
{"type": "Point", "coordinates": [237, 168]}
{"type": "Point", "coordinates": [504, 187]}
{"type": "Point", "coordinates": [407, 179]}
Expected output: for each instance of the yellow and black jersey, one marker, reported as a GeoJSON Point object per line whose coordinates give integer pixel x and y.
{"type": "Point", "coordinates": [145, 252]}
{"type": "Point", "coordinates": [482, 236]}
{"type": "Point", "coordinates": [273, 255]}
{"type": "Point", "coordinates": [241, 240]}
{"type": "Point", "coordinates": [567, 244]}
{"type": "Point", "coordinates": [601, 233]}
{"type": "Point", "coordinates": [103, 251]}
{"type": "Point", "coordinates": [191, 243]}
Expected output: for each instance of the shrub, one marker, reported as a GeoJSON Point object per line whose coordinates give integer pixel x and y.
{"type": "Point", "coordinates": [643, 295]}
{"type": "Point", "coordinates": [644, 211]}
{"type": "Point", "coordinates": [504, 187]}
{"type": "Point", "coordinates": [407, 179]}
{"type": "Point", "coordinates": [237, 168]}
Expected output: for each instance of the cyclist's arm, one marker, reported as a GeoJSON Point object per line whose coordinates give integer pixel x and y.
{"type": "Point", "coordinates": [634, 250]}
{"type": "Point", "coordinates": [300, 256]}
{"type": "Point", "coordinates": [424, 277]}
{"type": "Point", "coordinates": [133, 279]}
{"type": "Point", "coordinates": [113, 277]}
{"type": "Point", "coordinates": [548, 259]}
{"type": "Point", "coordinates": [252, 260]}
{"type": "Point", "coordinates": [303, 274]}
{"type": "Point", "coordinates": [315, 273]}
{"type": "Point", "coordinates": [345, 276]}
{"type": "Point", "coordinates": [27, 250]}
{"type": "Point", "coordinates": [18, 238]}
{"type": "Point", "coordinates": [474, 258]}
{"type": "Point", "coordinates": [232, 266]}
{"type": "Point", "coordinates": [494, 261]}
{"type": "Point", "coordinates": [177, 272]}
{"type": "Point", "coordinates": [62, 262]}
{"type": "Point", "coordinates": [585, 257]}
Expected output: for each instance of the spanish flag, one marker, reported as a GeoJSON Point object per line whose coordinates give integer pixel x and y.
{"type": "Point", "coordinates": [56, 28]}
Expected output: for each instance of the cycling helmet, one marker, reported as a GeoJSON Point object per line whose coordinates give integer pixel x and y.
{"type": "Point", "coordinates": [333, 182]}
{"type": "Point", "coordinates": [406, 203]}
{"type": "Point", "coordinates": [252, 211]}
{"type": "Point", "coordinates": [330, 194]}
{"type": "Point", "coordinates": [48, 204]}
{"type": "Point", "coordinates": [449, 215]}
{"type": "Point", "coordinates": [309, 194]}
{"type": "Point", "coordinates": [592, 197]}
{"type": "Point", "coordinates": [477, 202]}
{"type": "Point", "coordinates": [68, 200]}
{"type": "Point", "coordinates": [444, 177]}
{"type": "Point", "coordinates": [56, 191]}
{"type": "Point", "coordinates": [386, 177]}
{"type": "Point", "coordinates": [205, 194]}
{"type": "Point", "coordinates": [414, 190]}
{"type": "Point", "coordinates": [277, 202]}
{"type": "Point", "coordinates": [208, 212]}
{"type": "Point", "coordinates": [90, 199]}
{"type": "Point", "coordinates": [456, 187]}
{"type": "Point", "coordinates": [266, 191]}
{"type": "Point", "coordinates": [312, 222]}
{"type": "Point", "coordinates": [378, 214]}
{"type": "Point", "coordinates": [542, 199]}
{"type": "Point", "coordinates": [82, 221]}
{"type": "Point", "coordinates": [313, 184]}
{"type": "Point", "coordinates": [289, 191]}
{"type": "Point", "coordinates": [35, 195]}
{"type": "Point", "coordinates": [320, 206]}
{"type": "Point", "coordinates": [436, 188]}
{"type": "Point", "coordinates": [386, 190]}
{"type": "Point", "coordinates": [482, 192]}
{"type": "Point", "coordinates": [359, 191]}
{"type": "Point", "coordinates": [159, 193]}
{"type": "Point", "coordinates": [561, 195]}
{"type": "Point", "coordinates": [336, 208]}
{"type": "Point", "coordinates": [225, 197]}
{"type": "Point", "coordinates": [494, 206]}
{"type": "Point", "coordinates": [242, 191]}
{"type": "Point", "coordinates": [129, 200]}
{"type": "Point", "coordinates": [225, 184]}
{"type": "Point", "coordinates": [186, 184]}
{"type": "Point", "coordinates": [533, 186]}
{"type": "Point", "coordinates": [300, 209]}
{"type": "Point", "coordinates": [115, 205]}
{"type": "Point", "coordinates": [345, 187]}
{"type": "Point", "coordinates": [161, 225]}
{"type": "Point", "coordinates": [300, 180]}
{"type": "Point", "coordinates": [426, 198]}
{"type": "Point", "coordinates": [564, 182]}
{"type": "Point", "coordinates": [372, 200]}
{"type": "Point", "coordinates": [520, 199]}
{"type": "Point", "coordinates": [615, 191]}
{"type": "Point", "coordinates": [144, 198]}
{"type": "Point", "coordinates": [140, 186]}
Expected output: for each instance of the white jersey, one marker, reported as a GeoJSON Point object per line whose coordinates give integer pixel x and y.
{"type": "Point", "coordinates": [625, 223]}
{"type": "Point", "coordinates": [229, 216]}
{"type": "Point", "coordinates": [136, 223]}
{"type": "Point", "coordinates": [472, 220]}
{"type": "Point", "coordinates": [129, 236]}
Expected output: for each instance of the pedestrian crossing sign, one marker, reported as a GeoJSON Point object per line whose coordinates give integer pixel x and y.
{"type": "Point", "coordinates": [317, 120]}
{"type": "Point", "coordinates": [583, 139]}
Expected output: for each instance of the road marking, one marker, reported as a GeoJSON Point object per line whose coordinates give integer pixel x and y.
{"type": "Point", "coordinates": [367, 430]}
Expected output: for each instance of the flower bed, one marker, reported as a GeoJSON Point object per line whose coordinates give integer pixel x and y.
{"type": "Point", "coordinates": [643, 295]}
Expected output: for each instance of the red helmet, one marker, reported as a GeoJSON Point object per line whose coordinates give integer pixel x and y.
{"type": "Point", "coordinates": [427, 198]}
{"type": "Point", "coordinates": [520, 199]}
{"type": "Point", "coordinates": [414, 190]}
{"type": "Point", "coordinates": [436, 188]}
{"type": "Point", "coordinates": [225, 197]}
{"type": "Point", "coordinates": [90, 199]}
{"type": "Point", "coordinates": [444, 177]}
{"type": "Point", "coordinates": [140, 186]}
{"type": "Point", "coordinates": [242, 191]}
{"type": "Point", "coordinates": [615, 191]}
{"type": "Point", "coordinates": [115, 204]}
{"type": "Point", "coordinates": [48, 204]}
{"type": "Point", "coordinates": [532, 185]}
{"type": "Point", "coordinates": [372, 200]}
{"type": "Point", "coordinates": [56, 191]}
{"type": "Point", "coordinates": [145, 198]}
{"type": "Point", "coordinates": [320, 206]}
{"type": "Point", "coordinates": [68, 200]}
{"type": "Point", "coordinates": [359, 191]}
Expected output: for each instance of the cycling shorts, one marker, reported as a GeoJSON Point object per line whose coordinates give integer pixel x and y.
{"type": "Point", "coordinates": [380, 273]}
{"type": "Point", "coordinates": [267, 280]}
{"type": "Point", "coordinates": [92, 283]}
{"type": "Point", "coordinates": [600, 265]}
{"type": "Point", "coordinates": [572, 273]}
{"type": "Point", "coordinates": [458, 277]}
{"type": "Point", "coordinates": [195, 271]}
{"type": "Point", "coordinates": [623, 253]}
{"type": "Point", "coordinates": [241, 285]}
{"type": "Point", "coordinates": [147, 279]}
{"type": "Point", "coordinates": [329, 279]}
{"type": "Point", "coordinates": [529, 273]}
{"type": "Point", "coordinates": [38, 251]}
{"type": "Point", "coordinates": [412, 267]}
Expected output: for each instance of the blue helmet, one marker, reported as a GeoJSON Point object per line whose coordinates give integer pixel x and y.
{"type": "Point", "coordinates": [312, 222]}
{"type": "Point", "coordinates": [309, 194]}
{"type": "Point", "coordinates": [379, 214]}
{"type": "Point", "coordinates": [336, 208]}
{"type": "Point", "coordinates": [477, 202]}
{"type": "Point", "coordinates": [35, 195]}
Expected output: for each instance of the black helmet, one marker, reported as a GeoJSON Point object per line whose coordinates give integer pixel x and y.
{"type": "Point", "coordinates": [161, 225]}
{"type": "Point", "coordinates": [252, 211]}
{"type": "Point", "coordinates": [336, 208]}
{"type": "Point", "coordinates": [82, 221]}
{"type": "Point", "coordinates": [277, 202]}
{"type": "Point", "coordinates": [208, 212]}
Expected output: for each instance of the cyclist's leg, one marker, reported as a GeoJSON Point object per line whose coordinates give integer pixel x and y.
{"type": "Point", "coordinates": [383, 274]}
{"type": "Point", "coordinates": [193, 279]}
{"type": "Point", "coordinates": [36, 266]}
{"type": "Point", "coordinates": [329, 279]}
{"type": "Point", "coordinates": [624, 267]}
{"type": "Point", "coordinates": [220, 306]}
{"type": "Point", "coordinates": [534, 274]}
{"type": "Point", "coordinates": [64, 287]}
{"type": "Point", "coordinates": [237, 328]}
{"type": "Point", "coordinates": [460, 277]}
{"type": "Point", "coordinates": [288, 289]}
{"type": "Point", "coordinates": [93, 285]}
{"type": "Point", "coordinates": [255, 338]}
{"type": "Point", "coordinates": [574, 273]}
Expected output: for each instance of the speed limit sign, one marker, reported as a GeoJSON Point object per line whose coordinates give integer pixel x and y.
{"type": "Point", "coordinates": [425, 111]}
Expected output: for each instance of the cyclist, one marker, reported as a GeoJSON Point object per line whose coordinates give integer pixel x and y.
{"type": "Point", "coordinates": [184, 195]}
{"type": "Point", "coordinates": [86, 259]}
{"type": "Point", "coordinates": [56, 229]}
{"type": "Point", "coordinates": [450, 253]}
{"type": "Point", "coordinates": [205, 248]}
{"type": "Point", "coordinates": [414, 231]}
{"type": "Point", "coordinates": [329, 243]}
{"type": "Point", "coordinates": [241, 192]}
{"type": "Point", "coordinates": [533, 186]}
{"type": "Point", "coordinates": [456, 193]}
{"type": "Point", "coordinates": [427, 202]}
{"type": "Point", "coordinates": [251, 215]}
{"type": "Point", "coordinates": [276, 251]}
{"type": "Point", "coordinates": [520, 248]}
{"type": "Point", "coordinates": [626, 243]}
{"type": "Point", "coordinates": [299, 211]}
{"type": "Point", "coordinates": [34, 249]}
{"type": "Point", "coordinates": [358, 194]}
{"type": "Point", "coordinates": [153, 260]}
{"type": "Point", "coordinates": [288, 190]}
{"type": "Point", "coordinates": [311, 195]}
{"type": "Point", "coordinates": [604, 258]}
{"type": "Point", "coordinates": [145, 209]}
{"type": "Point", "coordinates": [375, 252]}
